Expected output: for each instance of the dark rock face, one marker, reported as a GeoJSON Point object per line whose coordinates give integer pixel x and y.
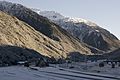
{"type": "Point", "coordinates": [92, 35]}
{"type": "Point", "coordinates": [96, 41]}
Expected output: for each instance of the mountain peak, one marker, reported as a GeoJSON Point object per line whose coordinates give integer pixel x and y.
{"type": "Point", "coordinates": [45, 37]}
{"type": "Point", "coordinates": [85, 30]}
{"type": "Point", "coordinates": [52, 15]}
{"type": "Point", "coordinates": [55, 16]}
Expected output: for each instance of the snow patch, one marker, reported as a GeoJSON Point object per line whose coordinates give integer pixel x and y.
{"type": "Point", "coordinates": [54, 16]}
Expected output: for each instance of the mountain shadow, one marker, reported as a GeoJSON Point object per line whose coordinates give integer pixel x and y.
{"type": "Point", "coordinates": [114, 55]}
{"type": "Point", "coordinates": [10, 55]}
{"type": "Point", "coordinates": [76, 56]}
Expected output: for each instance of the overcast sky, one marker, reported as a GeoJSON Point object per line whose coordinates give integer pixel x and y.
{"type": "Point", "coordinates": [105, 13]}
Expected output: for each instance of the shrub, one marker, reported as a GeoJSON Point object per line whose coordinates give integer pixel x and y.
{"type": "Point", "coordinates": [26, 64]}
{"type": "Point", "coordinates": [113, 65]}
{"type": "Point", "coordinates": [101, 64]}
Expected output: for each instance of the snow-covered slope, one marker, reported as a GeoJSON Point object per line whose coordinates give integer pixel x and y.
{"type": "Point", "coordinates": [49, 73]}
{"type": "Point", "coordinates": [84, 30]}
{"type": "Point", "coordinates": [52, 15]}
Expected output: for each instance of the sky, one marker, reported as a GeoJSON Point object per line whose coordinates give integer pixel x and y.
{"type": "Point", "coordinates": [106, 13]}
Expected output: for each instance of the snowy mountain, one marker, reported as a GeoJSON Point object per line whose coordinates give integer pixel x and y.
{"type": "Point", "coordinates": [84, 30]}
{"type": "Point", "coordinates": [36, 32]}
{"type": "Point", "coordinates": [52, 15]}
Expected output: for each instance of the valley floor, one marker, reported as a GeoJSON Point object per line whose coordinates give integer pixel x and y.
{"type": "Point", "coordinates": [50, 73]}
{"type": "Point", "coordinates": [93, 67]}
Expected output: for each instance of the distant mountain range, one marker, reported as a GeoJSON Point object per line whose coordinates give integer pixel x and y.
{"type": "Point", "coordinates": [86, 31]}
{"type": "Point", "coordinates": [25, 35]}
{"type": "Point", "coordinates": [24, 28]}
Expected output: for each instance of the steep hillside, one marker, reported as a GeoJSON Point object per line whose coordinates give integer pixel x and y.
{"type": "Point", "coordinates": [66, 42]}
{"type": "Point", "coordinates": [17, 33]}
{"type": "Point", "coordinates": [85, 31]}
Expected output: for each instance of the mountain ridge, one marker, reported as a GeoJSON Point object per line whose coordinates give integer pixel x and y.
{"type": "Point", "coordinates": [86, 31]}
{"type": "Point", "coordinates": [58, 43]}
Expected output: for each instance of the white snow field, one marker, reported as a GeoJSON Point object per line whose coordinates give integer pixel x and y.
{"type": "Point", "coordinates": [49, 73]}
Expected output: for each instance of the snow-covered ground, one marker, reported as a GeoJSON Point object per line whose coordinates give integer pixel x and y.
{"type": "Point", "coordinates": [93, 67]}
{"type": "Point", "coordinates": [49, 73]}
